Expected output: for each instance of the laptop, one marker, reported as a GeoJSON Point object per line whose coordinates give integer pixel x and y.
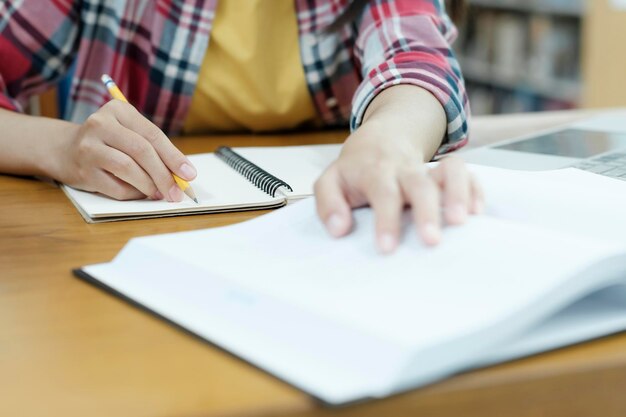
{"type": "Point", "coordinates": [597, 145]}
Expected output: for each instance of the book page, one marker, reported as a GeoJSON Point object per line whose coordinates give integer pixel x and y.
{"type": "Point", "coordinates": [598, 314]}
{"type": "Point", "coordinates": [338, 319]}
{"type": "Point", "coordinates": [567, 200]}
{"type": "Point", "coordinates": [298, 166]}
{"type": "Point", "coordinates": [289, 254]}
{"type": "Point", "coordinates": [217, 187]}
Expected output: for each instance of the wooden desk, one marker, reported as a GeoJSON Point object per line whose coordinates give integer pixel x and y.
{"type": "Point", "coordinates": [69, 349]}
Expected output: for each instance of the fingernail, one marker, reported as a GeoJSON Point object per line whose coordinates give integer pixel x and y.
{"type": "Point", "coordinates": [335, 225]}
{"type": "Point", "coordinates": [158, 196]}
{"type": "Point", "coordinates": [387, 243]}
{"type": "Point", "coordinates": [431, 234]}
{"type": "Point", "coordinates": [188, 171]}
{"type": "Point", "coordinates": [458, 213]}
{"type": "Point", "coordinates": [176, 194]}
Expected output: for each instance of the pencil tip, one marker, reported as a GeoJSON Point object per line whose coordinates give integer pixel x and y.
{"type": "Point", "coordinates": [196, 200]}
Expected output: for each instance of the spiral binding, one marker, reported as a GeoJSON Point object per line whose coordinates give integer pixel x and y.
{"type": "Point", "coordinates": [255, 174]}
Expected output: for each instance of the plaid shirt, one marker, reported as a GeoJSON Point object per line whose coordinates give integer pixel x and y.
{"type": "Point", "coordinates": [154, 49]}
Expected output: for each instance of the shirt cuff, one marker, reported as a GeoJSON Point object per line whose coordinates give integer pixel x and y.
{"type": "Point", "coordinates": [451, 95]}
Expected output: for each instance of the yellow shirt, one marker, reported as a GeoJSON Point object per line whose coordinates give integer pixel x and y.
{"type": "Point", "coordinates": [251, 77]}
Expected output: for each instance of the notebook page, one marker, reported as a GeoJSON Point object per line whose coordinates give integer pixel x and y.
{"type": "Point", "coordinates": [217, 187]}
{"type": "Point", "coordinates": [298, 166]}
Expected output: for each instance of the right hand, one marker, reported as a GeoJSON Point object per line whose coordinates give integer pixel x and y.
{"type": "Point", "coordinates": [119, 153]}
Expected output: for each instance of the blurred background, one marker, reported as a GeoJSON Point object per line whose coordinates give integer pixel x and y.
{"type": "Point", "coordinates": [535, 55]}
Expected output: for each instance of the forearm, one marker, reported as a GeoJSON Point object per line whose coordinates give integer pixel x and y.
{"type": "Point", "coordinates": [409, 117]}
{"type": "Point", "coordinates": [29, 144]}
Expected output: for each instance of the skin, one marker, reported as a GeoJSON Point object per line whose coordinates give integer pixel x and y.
{"type": "Point", "coordinates": [382, 165]}
{"type": "Point", "coordinates": [119, 153]}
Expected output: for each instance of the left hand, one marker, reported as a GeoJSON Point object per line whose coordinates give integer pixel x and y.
{"type": "Point", "coordinates": [380, 168]}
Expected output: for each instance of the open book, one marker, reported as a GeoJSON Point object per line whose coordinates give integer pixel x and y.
{"type": "Point", "coordinates": [228, 180]}
{"type": "Point", "coordinates": [543, 268]}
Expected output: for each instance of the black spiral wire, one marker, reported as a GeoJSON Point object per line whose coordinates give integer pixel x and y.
{"type": "Point", "coordinates": [253, 173]}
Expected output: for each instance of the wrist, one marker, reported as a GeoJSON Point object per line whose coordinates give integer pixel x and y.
{"type": "Point", "coordinates": [406, 112]}
{"type": "Point", "coordinates": [32, 145]}
{"type": "Point", "coordinates": [52, 160]}
{"type": "Point", "coordinates": [383, 138]}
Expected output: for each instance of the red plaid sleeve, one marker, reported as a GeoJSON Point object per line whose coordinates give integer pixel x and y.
{"type": "Point", "coordinates": [37, 45]}
{"type": "Point", "coordinates": [409, 42]}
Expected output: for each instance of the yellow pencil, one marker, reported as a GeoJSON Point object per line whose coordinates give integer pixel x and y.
{"type": "Point", "coordinates": [116, 93]}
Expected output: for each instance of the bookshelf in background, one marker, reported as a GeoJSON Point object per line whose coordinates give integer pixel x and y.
{"type": "Point", "coordinates": [522, 55]}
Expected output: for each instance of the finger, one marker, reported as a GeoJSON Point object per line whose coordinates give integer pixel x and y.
{"type": "Point", "coordinates": [174, 159]}
{"type": "Point", "coordinates": [478, 196]}
{"type": "Point", "coordinates": [332, 207]}
{"type": "Point", "coordinates": [142, 152]}
{"type": "Point", "coordinates": [126, 169]}
{"type": "Point", "coordinates": [453, 179]}
{"type": "Point", "coordinates": [385, 199]}
{"type": "Point", "coordinates": [108, 184]}
{"type": "Point", "coordinates": [422, 193]}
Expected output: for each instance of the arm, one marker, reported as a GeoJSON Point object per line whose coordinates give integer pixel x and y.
{"type": "Point", "coordinates": [27, 144]}
{"type": "Point", "coordinates": [403, 114]}
{"type": "Point", "coordinates": [408, 42]}
{"type": "Point", "coordinates": [116, 152]}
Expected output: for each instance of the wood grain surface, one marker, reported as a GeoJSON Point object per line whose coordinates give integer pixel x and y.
{"type": "Point", "coordinates": [69, 349]}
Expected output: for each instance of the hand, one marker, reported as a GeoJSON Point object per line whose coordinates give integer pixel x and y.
{"type": "Point", "coordinates": [119, 153]}
{"type": "Point", "coordinates": [389, 174]}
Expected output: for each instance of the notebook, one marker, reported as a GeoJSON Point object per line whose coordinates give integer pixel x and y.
{"type": "Point", "coordinates": [228, 180]}
{"type": "Point", "coordinates": [544, 267]}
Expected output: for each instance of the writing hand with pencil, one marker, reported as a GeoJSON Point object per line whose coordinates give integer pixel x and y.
{"type": "Point", "coordinates": [120, 153]}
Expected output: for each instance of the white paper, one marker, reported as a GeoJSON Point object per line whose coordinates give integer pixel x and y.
{"type": "Point", "coordinates": [299, 166]}
{"type": "Point", "coordinates": [567, 200]}
{"type": "Point", "coordinates": [218, 187]}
